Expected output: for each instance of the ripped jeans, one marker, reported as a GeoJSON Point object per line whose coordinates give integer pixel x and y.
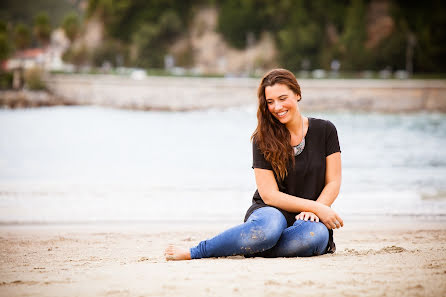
{"type": "Point", "coordinates": [265, 234]}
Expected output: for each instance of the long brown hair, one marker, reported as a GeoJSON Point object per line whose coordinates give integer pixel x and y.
{"type": "Point", "coordinates": [272, 137]}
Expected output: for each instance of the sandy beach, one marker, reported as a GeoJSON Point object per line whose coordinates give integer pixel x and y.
{"type": "Point", "coordinates": [396, 258]}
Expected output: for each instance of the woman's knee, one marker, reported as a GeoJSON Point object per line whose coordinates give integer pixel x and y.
{"type": "Point", "coordinates": [317, 237]}
{"type": "Point", "coordinates": [270, 219]}
{"type": "Point", "coordinates": [307, 239]}
{"type": "Point", "coordinates": [266, 225]}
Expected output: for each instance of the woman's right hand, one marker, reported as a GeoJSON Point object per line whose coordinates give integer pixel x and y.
{"type": "Point", "coordinates": [329, 217]}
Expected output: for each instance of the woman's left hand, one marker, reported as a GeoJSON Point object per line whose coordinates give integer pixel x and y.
{"type": "Point", "coordinates": [306, 215]}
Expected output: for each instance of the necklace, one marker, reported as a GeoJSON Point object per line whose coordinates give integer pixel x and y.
{"type": "Point", "coordinates": [300, 147]}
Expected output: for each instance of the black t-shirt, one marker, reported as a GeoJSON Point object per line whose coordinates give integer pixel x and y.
{"type": "Point", "coordinates": [307, 178]}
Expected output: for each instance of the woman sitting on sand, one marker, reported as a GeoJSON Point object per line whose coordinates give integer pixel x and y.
{"type": "Point", "coordinates": [297, 166]}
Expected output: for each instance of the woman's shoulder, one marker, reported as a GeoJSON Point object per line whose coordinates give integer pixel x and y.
{"type": "Point", "coordinates": [321, 123]}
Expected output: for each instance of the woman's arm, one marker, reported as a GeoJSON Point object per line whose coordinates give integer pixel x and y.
{"type": "Point", "coordinates": [332, 186]}
{"type": "Point", "coordinates": [269, 191]}
{"type": "Point", "coordinates": [333, 178]}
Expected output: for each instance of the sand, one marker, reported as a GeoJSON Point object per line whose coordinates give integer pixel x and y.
{"type": "Point", "coordinates": [396, 258]}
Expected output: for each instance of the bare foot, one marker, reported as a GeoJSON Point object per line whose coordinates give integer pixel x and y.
{"type": "Point", "coordinates": [175, 253]}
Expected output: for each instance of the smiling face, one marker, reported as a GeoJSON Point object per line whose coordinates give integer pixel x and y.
{"type": "Point", "coordinates": [282, 103]}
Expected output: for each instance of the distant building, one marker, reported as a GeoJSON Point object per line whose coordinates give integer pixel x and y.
{"type": "Point", "coordinates": [49, 58]}
{"type": "Point", "coordinates": [26, 59]}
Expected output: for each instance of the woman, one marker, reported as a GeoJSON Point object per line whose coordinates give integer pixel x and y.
{"type": "Point", "coordinates": [297, 166]}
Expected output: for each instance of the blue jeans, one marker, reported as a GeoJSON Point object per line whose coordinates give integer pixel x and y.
{"type": "Point", "coordinates": [265, 234]}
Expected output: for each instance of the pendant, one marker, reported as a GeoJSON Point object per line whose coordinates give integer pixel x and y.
{"type": "Point", "coordinates": [299, 148]}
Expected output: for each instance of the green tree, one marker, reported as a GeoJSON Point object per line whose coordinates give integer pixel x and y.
{"type": "Point", "coordinates": [147, 41]}
{"type": "Point", "coordinates": [79, 57]}
{"type": "Point", "coordinates": [5, 48]}
{"type": "Point", "coordinates": [111, 51]}
{"type": "Point", "coordinates": [124, 17]}
{"type": "Point", "coordinates": [302, 36]}
{"type": "Point", "coordinates": [42, 28]}
{"type": "Point", "coordinates": [299, 40]}
{"type": "Point", "coordinates": [71, 26]}
{"type": "Point", "coordinates": [299, 27]}
{"type": "Point", "coordinates": [354, 37]}
{"type": "Point", "coordinates": [237, 19]}
{"type": "Point", "coordinates": [421, 24]}
{"type": "Point", "coordinates": [152, 39]}
{"type": "Point", "coordinates": [148, 27]}
{"type": "Point", "coordinates": [3, 27]}
{"type": "Point", "coordinates": [22, 36]}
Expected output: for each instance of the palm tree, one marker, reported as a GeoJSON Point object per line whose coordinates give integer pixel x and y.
{"type": "Point", "coordinates": [71, 26]}
{"type": "Point", "coordinates": [22, 36]}
{"type": "Point", "coordinates": [42, 28]}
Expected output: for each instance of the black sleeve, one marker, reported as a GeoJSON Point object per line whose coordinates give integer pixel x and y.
{"type": "Point", "coordinates": [258, 160]}
{"type": "Point", "coordinates": [331, 139]}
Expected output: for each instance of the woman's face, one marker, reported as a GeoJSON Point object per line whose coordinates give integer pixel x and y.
{"type": "Point", "coordinates": [282, 102]}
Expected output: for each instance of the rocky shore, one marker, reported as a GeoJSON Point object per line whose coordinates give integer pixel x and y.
{"type": "Point", "coordinates": [26, 98]}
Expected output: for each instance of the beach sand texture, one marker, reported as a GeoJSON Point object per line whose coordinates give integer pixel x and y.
{"type": "Point", "coordinates": [392, 259]}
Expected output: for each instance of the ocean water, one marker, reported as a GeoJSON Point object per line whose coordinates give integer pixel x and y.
{"type": "Point", "coordinates": [91, 164]}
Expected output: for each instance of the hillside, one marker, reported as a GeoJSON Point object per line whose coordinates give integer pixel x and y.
{"type": "Point", "coordinates": [24, 11]}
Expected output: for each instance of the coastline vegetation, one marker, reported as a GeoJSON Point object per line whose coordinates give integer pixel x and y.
{"type": "Point", "coordinates": [308, 34]}
{"type": "Point", "coordinates": [354, 38]}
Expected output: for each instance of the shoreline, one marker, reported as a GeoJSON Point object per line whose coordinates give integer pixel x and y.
{"type": "Point", "coordinates": [194, 93]}
{"type": "Point", "coordinates": [157, 93]}
{"type": "Point", "coordinates": [363, 220]}
{"type": "Point", "coordinates": [30, 99]}
{"type": "Point", "coordinates": [356, 219]}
